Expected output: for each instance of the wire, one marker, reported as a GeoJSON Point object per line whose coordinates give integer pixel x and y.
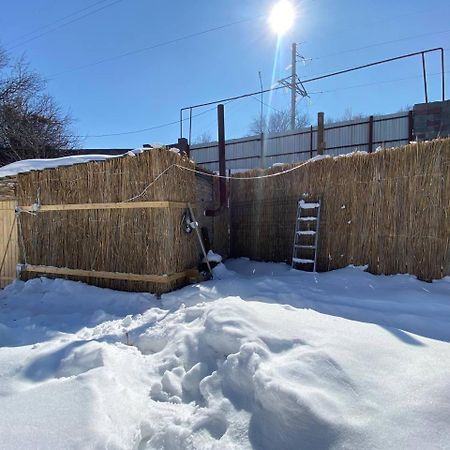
{"type": "Point", "coordinates": [382, 82]}
{"type": "Point", "coordinates": [379, 44]}
{"type": "Point", "coordinates": [43, 27]}
{"type": "Point", "coordinates": [266, 104]}
{"type": "Point", "coordinates": [142, 130]}
{"type": "Point", "coordinates": [177, 122]}
{"type": "Point", "coordinates": [154, 46]}
{"type": "Point", "coordinates": [65, 24]}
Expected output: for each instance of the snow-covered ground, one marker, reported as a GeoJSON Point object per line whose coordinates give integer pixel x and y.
{"type": "Point", "coordinates": [264, 358]}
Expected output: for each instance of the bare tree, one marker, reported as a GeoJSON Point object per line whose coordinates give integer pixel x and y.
{"type": "Point", "coordinates": [31, 124]}
{"type": "Point", "coordinates": [204, 138]}
{"type": "Point", "coordinates": [347, 115]}
{"type": "Point", "coordinates": [278, 122]}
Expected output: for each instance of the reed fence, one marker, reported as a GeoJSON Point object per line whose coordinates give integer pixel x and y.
{"type": "Point", "coordinates": [104, 220]}
{"type": "Point", "coordinates": [389, 210]}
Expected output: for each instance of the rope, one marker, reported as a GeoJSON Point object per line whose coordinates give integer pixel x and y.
{"type": "Point", "coordinates": [150, 185]}
{"type": "Point", "coordinates": [212, 175]}
{"type": "Point", "coordinates": [7, 244]}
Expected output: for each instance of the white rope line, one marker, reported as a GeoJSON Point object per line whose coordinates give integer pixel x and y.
{"type": "Point", "coordinates": [228, 177]}
{"type": "Point", "coordinates": [149, 186]}
{"type": "Point", "coordinates": [212, 175]}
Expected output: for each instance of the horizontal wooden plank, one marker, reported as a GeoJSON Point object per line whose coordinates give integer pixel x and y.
{"type": "Point", "coordinates": [161, 279]}
{"type": "Point", "coordinates": [120, 205]}
{"type": "Point", "coordinates": [7, 278]}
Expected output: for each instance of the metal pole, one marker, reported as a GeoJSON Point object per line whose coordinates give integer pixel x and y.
{"type": "Point", "coordinates": [262, 103]}
{"type": "Point", "coordinates": [262, 122]}
{"type": "Point", "coordinates": [221, 143]}
{"type": "Point", "coordinates": [443, 74]}
{"type": "Point", "coordinates": [190, 126]}
{"type": "Point", "coordinates": [293, 84]}
{"type": "Point", "coordinates": [181, 123]}
{"type": "Point", "coordinates": [424, 69]}
{"type": "Point", "coordinates": [200, 240]}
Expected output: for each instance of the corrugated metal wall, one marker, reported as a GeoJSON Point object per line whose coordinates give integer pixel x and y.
{"type": "Point", "coordinates": [390, 130]}
{"type": "Point", "coordinates": [8, 232]}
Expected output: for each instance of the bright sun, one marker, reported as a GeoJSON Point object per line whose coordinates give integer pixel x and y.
{"type": "Point", "coordinates": [282, 17]}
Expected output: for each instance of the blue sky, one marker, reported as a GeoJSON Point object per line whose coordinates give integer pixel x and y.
{"type": "Point", "coordinates": [148, 88]}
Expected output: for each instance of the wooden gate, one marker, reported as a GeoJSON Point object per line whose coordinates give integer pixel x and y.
{"type": "Point", "coordinates": [9, 252]}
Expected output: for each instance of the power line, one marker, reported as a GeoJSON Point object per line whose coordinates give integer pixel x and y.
{"type": "Point", "coordinates": [253, 94]}
{"type": "Point", "coordinates": [356, 86]}
{"type": "Point", "coordinates": [65, 24]}
{"type": "Point", "coordinates": [142, 130]}
{"type": "Point", "coordinates": [43, 27]}
{"type": "Point", "coordinates": [154, 46]}
{"type": "Point", "coordinates": [258, 100]}
{"type": "Point", "coordinates": [379, 44]}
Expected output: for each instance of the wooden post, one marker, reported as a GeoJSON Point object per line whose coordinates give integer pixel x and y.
{"type": "Point", "coordinates": [370, 134]}
{"type": "Point", "coordinates": [320, 133]}
{"type": "Point", "coordinates": [311, 142]}
{"type": "Point", "coordinates": [410, 126]}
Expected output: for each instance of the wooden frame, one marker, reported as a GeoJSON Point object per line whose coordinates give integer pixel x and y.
{"type": "Point", "coordinates": [51, 270]}
{"type": "Point", "coordinates": [119, 205]}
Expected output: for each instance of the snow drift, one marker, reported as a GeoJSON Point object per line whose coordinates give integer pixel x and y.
{"type": "Point", "coordinates": [263, 358]}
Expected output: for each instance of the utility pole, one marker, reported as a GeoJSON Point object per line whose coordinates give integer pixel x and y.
{"type": "Point", "coordinates": [293, 85]}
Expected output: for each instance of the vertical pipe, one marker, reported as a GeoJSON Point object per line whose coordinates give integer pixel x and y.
{"type": "Point", "coordinates": [221, 143]}
{"type": "Point", "coordinates": [370, 134]}
{"type": "Point", "coordinates": [311, 142]}
{"type": "Point", "coordinates": [293, 84]}
{"type": "Point", "coordinates": [424, 77]}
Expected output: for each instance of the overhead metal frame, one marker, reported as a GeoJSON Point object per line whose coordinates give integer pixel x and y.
{"type": "Point", "coordinates": [420, 53]}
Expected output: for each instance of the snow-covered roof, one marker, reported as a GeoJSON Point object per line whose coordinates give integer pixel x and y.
{"type": "Point", "coordinates": [27, 165]}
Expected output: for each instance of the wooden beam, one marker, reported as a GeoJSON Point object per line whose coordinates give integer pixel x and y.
{"type": "Point", "coordinates": [161, 279]}
{"type": "Point", "coordinates": [119, 205]}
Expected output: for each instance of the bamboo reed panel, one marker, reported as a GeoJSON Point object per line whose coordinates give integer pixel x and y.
{"type": "Point", "coordinates": [8, 230]}
{"type": "Point", "coordinates": [130, 239]}
{"type": "Point", "coordinates": [160, 279]}
{"type": "Point", "coordinates": [389, 209]}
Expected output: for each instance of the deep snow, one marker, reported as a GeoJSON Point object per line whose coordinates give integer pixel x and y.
{"type": "Point", "coordinates": [264, 357]}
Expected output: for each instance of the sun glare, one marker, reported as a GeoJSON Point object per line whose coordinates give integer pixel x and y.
{"type": "Point", "coordinates": [282, 17]}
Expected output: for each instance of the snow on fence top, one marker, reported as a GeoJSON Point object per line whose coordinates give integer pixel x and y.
{"type": "Point", "coordinates": [28, 165]}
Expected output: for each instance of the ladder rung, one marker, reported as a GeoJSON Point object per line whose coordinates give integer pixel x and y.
{"type": "Point", "coordinates": [305, 246]}
{"type": "Point", "coordinates": [302, 261]}
{"type": "Point", "coordinates": [302, 204]}
{"type": "Point", "coordinates": [306, 233]}
{"type": "Point", "coordinates": [307, 219]}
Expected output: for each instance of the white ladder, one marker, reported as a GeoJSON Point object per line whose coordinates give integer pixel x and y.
{"type": "Point", "coordinates": [306, 236]}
